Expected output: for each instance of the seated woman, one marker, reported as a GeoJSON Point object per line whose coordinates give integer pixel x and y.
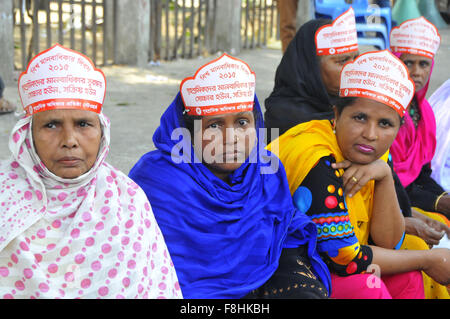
{"type": "Point", "coordinates": [415, 144]}
{"type": "Point", "coordinates": [221, 200]}
{"type": "Point", "coordinates": [306, 86]}
{"type": "Point", "coordinates": [72, 226]}
{"type": "Point", "coordinates": [364, 228]}
{"type": "Point", "coordinates": [307, 78]}
{"type": "Point", "coordinates": [440, 164]}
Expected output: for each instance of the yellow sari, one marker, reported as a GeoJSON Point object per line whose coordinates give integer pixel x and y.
{"type": "Point", "coordinates": [301, 147]}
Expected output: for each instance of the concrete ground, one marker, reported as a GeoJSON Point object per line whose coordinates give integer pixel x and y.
{"type": "Point", "coordinates": [136, 98]}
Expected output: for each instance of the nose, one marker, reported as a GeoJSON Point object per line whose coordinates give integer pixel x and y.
{"type": "Point", "coordinates": [371, 132]}
{"type": "Point", "coordinates": [68, 138]}
{"type": "Point", "coordinates": [415, 71]}
{"type": "Point", "coordinates": [231, 135]}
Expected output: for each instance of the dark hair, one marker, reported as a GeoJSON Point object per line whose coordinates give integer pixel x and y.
{"type": "Point", "coordinates": [343, 102]}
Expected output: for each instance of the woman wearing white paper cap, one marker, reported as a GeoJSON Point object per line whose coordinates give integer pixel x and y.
{"type": "Point", "coordinates": [360, 232]}
{"type": "Point", "coordinates": [416, 42]}
{"type": "Point", "coordinates": [71, 225]}
{"type": "Point", "coordinates": [307, 78]}
{"type": "Point", "coordinates": [221, 200]}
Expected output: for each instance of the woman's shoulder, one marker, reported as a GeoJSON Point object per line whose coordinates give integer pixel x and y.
{"type": "Point", "coordinates": [150, 160]}
{"type": "Point", "coordinates": [303, 135]}
{"type": "Point", "coordinates": [119, 176]}
{"type": "Point", "coordinates": [313, 134]}
{"type": "Point", "coordinates": [313, 126]}
{"type": "Point", "coordinates": [11, 170]}
{"type": "Point", "coordinates": [124, 182]}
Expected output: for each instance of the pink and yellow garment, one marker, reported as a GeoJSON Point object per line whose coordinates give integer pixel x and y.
{"type": "Point", "coordinates": [415, 147]}
{"type": "Point", "coordinates": [94, 236]}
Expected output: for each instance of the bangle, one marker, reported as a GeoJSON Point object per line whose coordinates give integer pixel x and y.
{"type": "Point", "coordinates": [437, 200]}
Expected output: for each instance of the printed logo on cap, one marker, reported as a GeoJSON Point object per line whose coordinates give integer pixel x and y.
{"type": "Point", "coordinates": [224, 85]}
{"type": "Point", "coordinates": [416, 36]}
{"type": "Point", "coordinates": [379, 76]}
{"type": "Point", "coordinates": [338, 37]}
{"type": "Point", "coordinates": [60, 78]}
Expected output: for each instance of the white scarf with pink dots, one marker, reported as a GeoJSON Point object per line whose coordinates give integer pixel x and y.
{"type": "Point", "coordinates": [94, 236]}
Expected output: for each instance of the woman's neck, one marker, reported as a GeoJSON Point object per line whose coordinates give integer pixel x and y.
{"type": "Point", "coordinates": [223, 176]}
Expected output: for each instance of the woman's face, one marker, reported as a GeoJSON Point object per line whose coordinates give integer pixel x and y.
{"type": "Point", "coordinates": [67, 141]}
{"type": "Point", "coordinates": [365, 130]}
{"type": "Point", "coordinates": [330, 70]}
{"type": "Point", "coordinates": [227, 141]}
{"type": "Point", "coordinates": [419, 68]}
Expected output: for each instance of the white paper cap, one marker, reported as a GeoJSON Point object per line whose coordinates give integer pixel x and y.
{"type": "Point", "coordinates": [380, 76]}
{"type": "Point", "coordinates": [338, 37]}
{"type": "Point", "coordinates": [416, 36]}
{"type": "Point", "coordinates": [224, 85]}
{"type": "Point", "coordinates": [60, 78]}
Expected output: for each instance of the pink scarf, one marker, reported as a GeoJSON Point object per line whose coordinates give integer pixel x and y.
{"type": "Point", "coordinates": [414, 147]}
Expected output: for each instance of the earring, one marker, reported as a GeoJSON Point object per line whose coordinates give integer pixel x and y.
{"type": "Point", "coordinates": [333, 126]}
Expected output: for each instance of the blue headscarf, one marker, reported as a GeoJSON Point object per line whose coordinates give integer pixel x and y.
{"type": "Point", "coordinates": [225, 240]}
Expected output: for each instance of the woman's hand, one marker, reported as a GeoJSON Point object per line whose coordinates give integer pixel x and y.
{"type": "Point", "coordinates": [438, 226]}
{"type": "Point", "coordinates": [437, 265]}
{"type": "Point", "coordinates": [417, 227]}
{"type": "Point", "coordinates": [443, 205]}
{"type": "Point", "coordinates": [357, 175]}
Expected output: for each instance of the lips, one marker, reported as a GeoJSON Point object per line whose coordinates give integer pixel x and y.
{"type": "Point", "coordinates": [233, 157]}
{"type": "Point", "coordinates": [69, 160]}
{"type": "Point", "coordinates": [366, 149]}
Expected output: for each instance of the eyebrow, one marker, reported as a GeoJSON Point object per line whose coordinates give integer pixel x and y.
{"type": "Point", "coordinates": [75, 120]}
{"type": "Point", "coordinates": [84, 119]}
{"type": "Point", "coordinates": [343, 57]}
{"type": "Point", "coordinates": [366, 114]}
{"type": "Point", "coordinates": [412, 60]}
{"type": "Point", "coordinates": [215, 118]}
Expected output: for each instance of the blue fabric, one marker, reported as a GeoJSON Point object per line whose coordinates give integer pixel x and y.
{"type": "Point", "coordinates": [400, 243]}
{"type": "Point", "coordinates": [225, 240]}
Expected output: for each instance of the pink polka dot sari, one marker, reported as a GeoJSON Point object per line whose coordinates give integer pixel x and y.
{"type": "Point", "coordinates": [94, 236]}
